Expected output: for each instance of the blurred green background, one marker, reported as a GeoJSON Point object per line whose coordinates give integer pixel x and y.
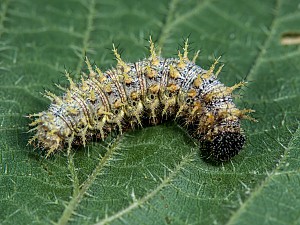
{"type": "Point", "coordinates": [153, 175]}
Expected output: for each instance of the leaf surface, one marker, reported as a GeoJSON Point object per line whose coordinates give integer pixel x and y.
{"type": "Point", "coordinates": [153, 175]}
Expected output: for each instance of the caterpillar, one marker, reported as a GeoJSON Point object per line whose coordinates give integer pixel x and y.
{"type": "Point", "coordinates": [151, 91]}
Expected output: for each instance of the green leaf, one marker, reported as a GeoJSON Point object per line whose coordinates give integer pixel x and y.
{"type": "Point", "coordinates": [153, 175]}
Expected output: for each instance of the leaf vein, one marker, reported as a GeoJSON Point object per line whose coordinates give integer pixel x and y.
{"type": "Point", "coordinates": [259, 57]}
{"type": "Point", "coordinates": [265, 183]}
{"type": "Point", "coordinates": [138, 202]}
{"type": "Point", "coordinates": [81, 190]}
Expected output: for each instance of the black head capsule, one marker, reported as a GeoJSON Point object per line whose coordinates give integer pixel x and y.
{"type": "Point", "coordinates": [226, 145]}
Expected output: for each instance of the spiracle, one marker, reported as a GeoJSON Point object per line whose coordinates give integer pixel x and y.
{"type": "Point", "coordinates": [149, 91]}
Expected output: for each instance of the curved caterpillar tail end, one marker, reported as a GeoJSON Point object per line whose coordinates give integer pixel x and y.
{"type": "Point", "coordinates": [226, 145]}
{"type": "Point", "coordinates": [226, 140]}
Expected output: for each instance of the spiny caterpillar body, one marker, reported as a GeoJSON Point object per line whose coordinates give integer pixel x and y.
{"type": "Point", "coordinates": [152, 90]}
